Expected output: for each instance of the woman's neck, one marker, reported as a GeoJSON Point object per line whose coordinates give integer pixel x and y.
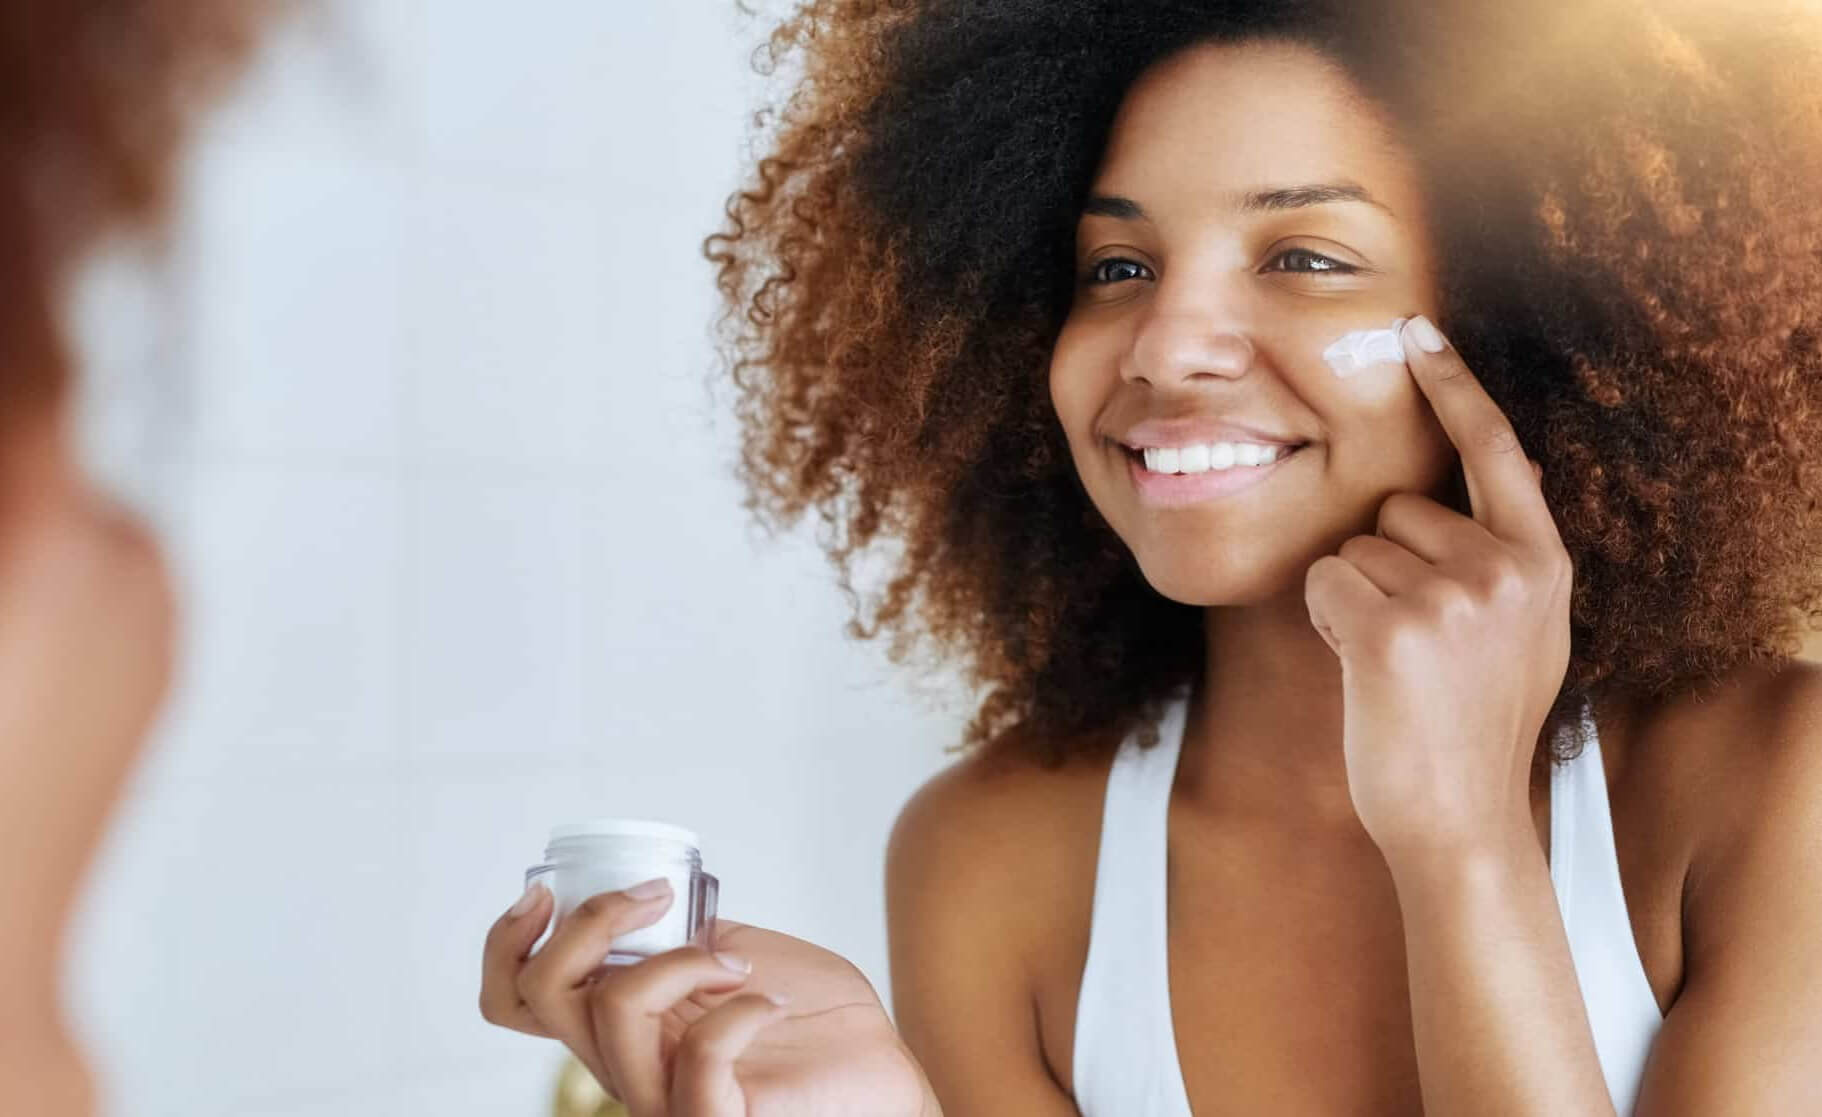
{"type": "Point", "coordinates": [1263, 735]}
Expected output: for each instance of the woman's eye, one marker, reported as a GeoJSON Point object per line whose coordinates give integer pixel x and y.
{"type": "Point", "coordinates": [1318, 264]}
{"type": "Point", "coordinates": [1095, 277]}
{"type": "Point", "coordinates": [1327, 264]}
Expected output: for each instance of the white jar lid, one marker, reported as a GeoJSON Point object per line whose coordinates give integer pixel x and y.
{"type": "Point", "coordinates": [625, 827]}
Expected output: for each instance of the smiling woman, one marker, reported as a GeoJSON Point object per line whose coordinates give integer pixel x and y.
{"type": "Point", "coordinates": [1617, 210]}
{"type": "Point", "coordinates": [1439, 716]}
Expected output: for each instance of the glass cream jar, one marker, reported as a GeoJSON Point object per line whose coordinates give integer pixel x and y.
{"type": "Point", "coordinates": [609, 854]}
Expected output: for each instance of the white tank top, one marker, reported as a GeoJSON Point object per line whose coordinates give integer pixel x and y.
{"type": "Point", "coordinates": [1125, 1061]}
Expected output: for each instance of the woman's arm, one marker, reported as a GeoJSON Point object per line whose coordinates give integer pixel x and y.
{"type": "Point", "coordinates": [1495, 996]}
{"type": "Point", "coordinates": [1744, 1031]}
{"type": "Point", "coordinates": [956, 904]}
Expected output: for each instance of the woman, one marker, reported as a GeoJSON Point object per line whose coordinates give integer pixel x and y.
{"type": "Point", "coordinates": [97, 96]}
{"type": "Point", "coordinates": [1440, 748]}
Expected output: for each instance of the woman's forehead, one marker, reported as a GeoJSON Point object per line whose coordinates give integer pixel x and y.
{"type": "Point", "coordinates": [1218, 126]}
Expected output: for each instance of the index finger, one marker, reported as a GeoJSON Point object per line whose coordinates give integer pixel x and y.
{"type": "Point", "coordinates": [509, 942]}
{"type": "Point", "coordinates": [1503, 492]}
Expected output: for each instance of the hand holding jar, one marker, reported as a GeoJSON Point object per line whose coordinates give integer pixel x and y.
{"type": "Point", "coordinates": [678, 1013]}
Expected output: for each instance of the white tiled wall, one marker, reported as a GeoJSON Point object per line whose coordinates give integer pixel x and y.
{"type": "Point", "coordinates": [417, 399]}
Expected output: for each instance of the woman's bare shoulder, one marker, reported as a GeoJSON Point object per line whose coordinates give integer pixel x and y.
{"type": "Point", "coordinates": [989, 878]}
{"type": "Point", "coordinates": [1710, 748]}
{"type": "Point", "coordinates": [999, 814]}
{"type": "Point", "coordinates": [1715, 758]}
{"type": "Point", "coordinates": [1745, 734]}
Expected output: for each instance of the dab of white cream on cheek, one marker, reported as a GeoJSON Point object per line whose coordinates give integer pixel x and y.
{"type": "Point", "coordinates": [1359, 349]}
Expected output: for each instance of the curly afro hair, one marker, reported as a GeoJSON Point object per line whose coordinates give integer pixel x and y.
{"type": "Point", "coordinates": [95, 96]}
{"type": "Point", "coordinates": [1623, 200]}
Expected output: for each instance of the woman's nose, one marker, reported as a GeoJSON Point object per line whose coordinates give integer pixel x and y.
{"type": "Point", "coordinates": [1165, 353]}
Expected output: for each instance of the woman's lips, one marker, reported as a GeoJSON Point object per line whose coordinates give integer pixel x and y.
{"type": "Point", "coordinates": [1174, 490]}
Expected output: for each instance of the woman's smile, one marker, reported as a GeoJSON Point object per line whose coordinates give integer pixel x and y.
{"type": "Point", "coordinates": [1173, 478]}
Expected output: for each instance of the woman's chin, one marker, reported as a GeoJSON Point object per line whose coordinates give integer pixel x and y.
{"type": "Point", "coordinates": [1204, 580]}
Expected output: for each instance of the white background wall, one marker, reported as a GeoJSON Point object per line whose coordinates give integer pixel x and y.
{"type": "Point", "coordinates": [417, 397]}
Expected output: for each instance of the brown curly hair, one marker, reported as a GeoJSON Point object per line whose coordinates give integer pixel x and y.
{"type": "Point", "coordinates": [94, 97]}
{"type": "Point", "coordinates": [1624, 207]}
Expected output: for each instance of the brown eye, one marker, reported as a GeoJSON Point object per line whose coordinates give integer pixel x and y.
{"type": "Point", "coordinates": [1326, 265]}
{"type": "Point", "coordinates": [1095, 277]}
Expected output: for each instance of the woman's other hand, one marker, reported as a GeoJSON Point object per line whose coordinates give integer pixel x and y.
{"type": "Point", "coordinates": [689, 1033]}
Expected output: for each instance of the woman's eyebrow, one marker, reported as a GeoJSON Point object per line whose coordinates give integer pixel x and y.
{"type": "Point", "coordinates": [1266, 200]}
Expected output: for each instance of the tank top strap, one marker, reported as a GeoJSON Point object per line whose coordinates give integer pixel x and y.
{"type": "Point", "coordinates": [1125, 1050]}
{"type": "Point", "coordinates": [1585, 871]}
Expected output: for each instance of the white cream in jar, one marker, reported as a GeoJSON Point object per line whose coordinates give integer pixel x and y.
{"type": "Point", "coordinates": [583, 859]}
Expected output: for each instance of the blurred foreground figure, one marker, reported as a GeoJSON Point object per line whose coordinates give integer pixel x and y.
{"type": "Point", "coordinates": [95, 96]}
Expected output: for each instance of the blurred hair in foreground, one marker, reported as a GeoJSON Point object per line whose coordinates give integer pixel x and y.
{"type": "Point", "coordinates": [96, 97]}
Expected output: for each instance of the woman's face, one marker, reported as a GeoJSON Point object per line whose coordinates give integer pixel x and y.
{"type": "Point", "coordinates": [1196, 306]}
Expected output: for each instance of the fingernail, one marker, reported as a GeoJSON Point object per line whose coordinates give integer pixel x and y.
{"type": "Point", "coordinates": [734, 962]}
{"type": "Point", "coordinates": [649, 890]}
{"type": "Point", "coordinates": [1428, 337]}
{"type": "Point", "coordinates": [526, 902]}
{"type": "Point", "coordinates": [778, 999]}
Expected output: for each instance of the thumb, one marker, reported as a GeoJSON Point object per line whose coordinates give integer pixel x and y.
{"type": "Point", "coordinates": [1328, 637]}
{"type": "Point", "coordinates": [1317, 623]}
{"type": "Point", "coordinates": [1339, 598]}
{"type": "Point", "coordinates": [703, 1082]}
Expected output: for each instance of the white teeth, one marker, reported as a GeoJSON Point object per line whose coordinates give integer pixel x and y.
{"type": "Point", "coordinates": [1213, 455]}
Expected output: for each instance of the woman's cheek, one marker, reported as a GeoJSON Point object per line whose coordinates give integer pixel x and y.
{"type": "Point", "coordinates": [1368, 375]}
{"type": "Point", "coordinates": [1391, 439]}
